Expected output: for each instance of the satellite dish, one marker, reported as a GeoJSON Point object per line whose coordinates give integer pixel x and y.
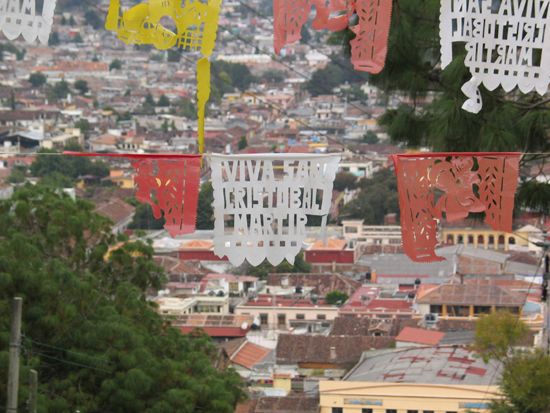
{"type": "Point", "coordinates": [244, 326]}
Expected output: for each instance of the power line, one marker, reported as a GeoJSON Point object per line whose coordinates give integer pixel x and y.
{"type": "Point", "coordinates": [76, 353]}
{"type": "Point", "coordinates": [258, 49]}
{"type": "Point", "coordinates": [270, 104]}
{"type": "Point", "coordinates": [63, 360]}
{"type": "Point", "coordinates": [517, 322]}
{"type": "Point", "coordinates": [264, 16]}
{"type": "Point", "coordinates": [72, 363]}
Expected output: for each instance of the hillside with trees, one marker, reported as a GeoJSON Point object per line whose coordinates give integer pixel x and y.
{"type": "Point", "coordinates": [97, 343]}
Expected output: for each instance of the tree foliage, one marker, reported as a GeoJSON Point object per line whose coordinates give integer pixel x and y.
{"type": "Point", "coordinates": [96, 342]}
{"type": "Point", "coordinates": [336, 298]}
{"type": "Point", "coordinates": [144, 219]}
{"type": "Point", "coordinates": [93, 19]}
{"type": "Point", "coordinates": [116, 64]}
{"type": "Point", "coordinates": [371, 138]}
{"type": "Point", "coordinates": [345, 180]}
{"type": "Point", "coordinates": [273, 76]}
{"type": "Point", "coordinates": [377, 198]}
{"type": "Point", "coordinates": [336, 73]}
{"type": "Point", "coordinates": [227, 77]}
{"type": "Point", "coordinates": [265, 268]}
{"type": "Point", "coordinates": [81, 86]}
{"type": "Point", "coordinates": [243, 143]}
{"type": "Point", "coordinates": [497, 334]}
{"type": "Point", "coordinates": [186, 108]}
{"type": "Point", "coordinates": [37, 79]}
{"type": "Point", "coordinates": [525, 384]}
{"type": "Point", "coordinates": [508, 121]}
{"type": "Point", "coordinates": [205, 211]}
{"type": "Point", "coordinates": [163, 101]}
{"type": "Point", "coordinates": [59, 91]}
{"type": "Point", "coordinates": [70, 167]}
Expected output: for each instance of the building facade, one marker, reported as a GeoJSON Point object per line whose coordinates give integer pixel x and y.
{"type": "Point", "coordinates": [281, 313]}
{"type": "Point", "coordinates": [376, 397]}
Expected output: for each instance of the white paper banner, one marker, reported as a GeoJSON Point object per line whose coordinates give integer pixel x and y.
{"type": "Point", "coordinates": [507, 44]}
{"type": "Point", "coordinates": [21, 17]}
{"type": "Point", "coordinates": [261, 203]}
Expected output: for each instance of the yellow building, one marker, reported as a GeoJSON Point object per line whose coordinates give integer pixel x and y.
{"type": "Point", "coordinates": [442, 379]}
{"type": "Point", "coordinates": [121, 178]}
{"type": "Point", "coordinates": [487, 238]}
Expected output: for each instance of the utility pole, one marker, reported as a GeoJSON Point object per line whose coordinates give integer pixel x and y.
{"type": "Point", "coordinates": [546, 301]}
{"type": "Point", "coordinates": [15, 345]}
{"type": "Point", "coordinates": [33, 384]}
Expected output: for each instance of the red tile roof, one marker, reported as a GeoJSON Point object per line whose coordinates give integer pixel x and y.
{"type": "Point", "coordinates": [420, 336]}
{"type": "Point", "coordinates": [216, 331]}
{"type": "Point", "coordinates": [472, 294]}
{"type": "Point", "coordinates": [337, 350]}
{"type": "Point", "coordinates": [390, 305]}
{"type": "Point", "coordinates": [249, 355]}
{"type": "Point", "coordinates": [116, 210]}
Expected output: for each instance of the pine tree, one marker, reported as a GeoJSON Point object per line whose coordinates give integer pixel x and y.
{"type": "Point", "coordinates": [97, 343]}
{"type": "Point", "coordinates": [508, 121]}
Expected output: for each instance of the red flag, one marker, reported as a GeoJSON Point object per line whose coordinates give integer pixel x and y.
{"type": "Point", "coordinates": [454, 184]}
{"type": "Point", "coordinates": [370, 46]}
{"type": "Point", "coordinates": [169, 183]}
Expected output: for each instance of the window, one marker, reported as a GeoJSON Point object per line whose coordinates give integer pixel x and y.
{"type": "Point", "coordinates": [263, 319]}
{"type": "Point", "coordinates": [300, 317]}
{"type": "Point", "coordinates": [337, 410]}
{"type": "Point", "coordinates": [412, 411]}
{"type": "Point", "coordinates": [281, 320]}
{"type": "Point", "coordinates": [458, 310]}
{"type": "Point", "coordinates": [366, 410]}
{"type": "Point", "coordinates": [436, 309]}
{"type": "Point", "coordinates": [321, 317]}
{"type": "Point", "coordinates": [391, 411]}
{"type": "Point", "coordinates": [451, 412]}
{"type": "Point", "coordinates": [428, 411]}
{"type": "Point", "coordinates": [482, 309]}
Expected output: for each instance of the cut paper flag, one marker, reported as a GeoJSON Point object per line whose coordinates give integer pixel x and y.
{"type": "Point", "coordinates": [24, 17]}
{"type": "Point", "coordinates": [168, 183]}
{"type": "Point", "coordinates": [261, 203]}
{"type": "Point", "coordinates": [196, 25]}
{"type": "Point", "coordinates": [372, 28]}
{"type": "Point", "coordinates": [453, 185]}
{"type": "Point", "coordinates": [507, 44]}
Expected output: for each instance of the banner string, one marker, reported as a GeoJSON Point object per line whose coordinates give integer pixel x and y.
{"type": "Point", "coordinates": [205, 155]}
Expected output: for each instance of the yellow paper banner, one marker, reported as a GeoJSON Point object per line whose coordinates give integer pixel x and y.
{"type": "Point", "coordinates": [196, 25]}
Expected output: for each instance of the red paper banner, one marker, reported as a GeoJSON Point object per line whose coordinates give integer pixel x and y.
{"type": "Point", "coordinates": [455, 184]}
{"type": "Point", "coordinates": [370, 46]}
{"type": "Point", "coordinates": [169, 183]}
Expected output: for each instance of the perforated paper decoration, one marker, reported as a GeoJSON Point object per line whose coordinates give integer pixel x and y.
{"type": "Point", "coordinates": [169, 184]}
{"type": "Point", "coordinates": [455, 185]}
{"type": "Point", "coordinates": [261, 203]}
{"type": "Point", "coordinates": [507, 44]}
{"type": "Point", "coordinates": [196, 27]}
{"type": "Point", "coordinates": [21, 17]}
{"type": "Point", "coordinates": [368, 49]}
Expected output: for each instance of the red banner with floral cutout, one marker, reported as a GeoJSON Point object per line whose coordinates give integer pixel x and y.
{"type": "Point", "coordinates": [452, 185]}
{"type": "Point", "coordinates": [168, 183]}
{"type": "Point", "coordinates": [369, 19]}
